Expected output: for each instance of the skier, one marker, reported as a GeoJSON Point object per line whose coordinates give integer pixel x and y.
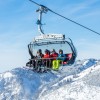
{"type": "Point", "coordinates": [47, 59]}
{"type": "Point", "coordinates": [54, 54]}
{"type": "Point", "coordinates": [39, 54]}
{"type": "Point", "coordinates": [61, 58]}
{"type": "Point", "coordinates": [38, 60]}
{"type": "Point", "coordinates": [47, 54]}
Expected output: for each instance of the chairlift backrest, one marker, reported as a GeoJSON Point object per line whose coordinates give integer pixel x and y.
{"type": "Point", "coordinates": [69, 56]}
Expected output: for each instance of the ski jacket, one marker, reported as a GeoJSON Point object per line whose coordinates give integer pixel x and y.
{"type": "Point", "coordinates": [61, 57]}
{"type": "Point", "coordinates": [54, 55]}
{"type": "Point", "coordinates": [39, 56]}
{"type": "Point", "coordinates": [46, 56]}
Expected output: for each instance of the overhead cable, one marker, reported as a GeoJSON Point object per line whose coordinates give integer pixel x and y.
{"type": "Point", "coordinates": [66, 18]}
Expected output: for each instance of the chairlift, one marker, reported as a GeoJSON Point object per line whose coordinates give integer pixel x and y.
{"type": "Point", "coordinates": [51, 41]}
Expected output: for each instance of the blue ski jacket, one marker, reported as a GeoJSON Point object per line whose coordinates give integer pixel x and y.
{"type": "Point", "coordinates": [61, 57]}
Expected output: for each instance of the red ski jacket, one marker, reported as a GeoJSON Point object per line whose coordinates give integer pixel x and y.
{"type": "Point", "coordinates": [46, 56]}
{"type": "Point", "coordinates": [54, 55]}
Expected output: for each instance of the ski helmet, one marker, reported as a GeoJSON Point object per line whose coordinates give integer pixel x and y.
{"type": "Point", "coordinates": [46, 50]}
{"type": "Point", "coordinates": [61, 50]}
{"type": "Point", "coordinates": [39, 50]}
{"type": "Point", "coordinates": [53, 50]}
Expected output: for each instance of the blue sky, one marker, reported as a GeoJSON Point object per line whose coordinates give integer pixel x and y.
{"type": "Point", "coordinates": [18, 27]}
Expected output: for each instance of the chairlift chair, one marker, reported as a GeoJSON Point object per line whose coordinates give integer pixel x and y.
{"type": "Point", "coordinates": [51, 41]}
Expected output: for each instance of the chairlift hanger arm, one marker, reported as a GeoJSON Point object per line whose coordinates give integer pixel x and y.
{"type": "Point", "coordinates": [65, 17]}
{"type": "Point", "coordinates": [39, 23]}
{"type": "Point", "coordinates": [42, 9]}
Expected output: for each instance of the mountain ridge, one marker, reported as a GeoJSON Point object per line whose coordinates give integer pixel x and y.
{"type": "Point", "coordinates": [22, 83]}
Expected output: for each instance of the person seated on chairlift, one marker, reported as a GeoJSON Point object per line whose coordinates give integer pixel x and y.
{"type": "Point", "coordinates": [56, 63]}
{"type": "Point", "coordinates": [39, 54]}
{"type": "Point", "coordinates": [38, 57]}
{"type": "Point", "coordinates": [47, 54]}
{"type": "Point", "coordinates": [61, 56]}
{"type": "Point", "coordinates": [47, 60]}
{"type": "Point", "coordinates": [54, 54]}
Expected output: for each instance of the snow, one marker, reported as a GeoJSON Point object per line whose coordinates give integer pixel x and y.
{"type": "Point", "coordinates": [80, 81]}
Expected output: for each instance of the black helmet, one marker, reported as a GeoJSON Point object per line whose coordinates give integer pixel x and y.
{"type": "Point", "coordinates": [60, 50]}
{"type": "Point", "coordinates": [53, 50]}
{"type": "Point", "coordinates": [46, 50]}
{"type": "Point", "coordinates": [39, 50]}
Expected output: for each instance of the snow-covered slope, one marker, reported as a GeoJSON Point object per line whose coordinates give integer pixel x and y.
{"type": "Point", "coordinates": [78, 82]}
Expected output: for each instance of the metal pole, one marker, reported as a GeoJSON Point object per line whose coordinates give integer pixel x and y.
{"type": "Point", "coordinates": [39, 22]}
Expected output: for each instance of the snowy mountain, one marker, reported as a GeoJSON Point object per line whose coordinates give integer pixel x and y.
{"type": "Point", "coordinates": [78, 82]}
